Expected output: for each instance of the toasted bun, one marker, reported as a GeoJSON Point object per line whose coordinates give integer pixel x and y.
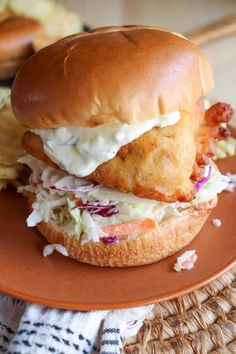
{"type": "Point", "coordinates": [169, 237]}
{"type": "Point", "coordinates": [16, 36]}
{"type": "Point", "coordinates": [9, 67]}
{"type": "Point", "coordinates": [110, 75]}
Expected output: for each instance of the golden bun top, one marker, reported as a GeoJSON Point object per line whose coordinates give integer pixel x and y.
{"type": "Point", "coordinates": [110, 75]}
{"type": "Point", "coordinates": [16, 36]}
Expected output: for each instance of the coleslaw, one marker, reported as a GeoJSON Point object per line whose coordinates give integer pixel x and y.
{"type": "Point", "coordinates": [82, 208]}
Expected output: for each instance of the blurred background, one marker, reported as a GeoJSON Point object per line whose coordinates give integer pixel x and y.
{"type": "Point", "coordinates": [179, 15]}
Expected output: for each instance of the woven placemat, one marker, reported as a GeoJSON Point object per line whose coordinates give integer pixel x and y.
{"type": "Point", "coordinates": [203, 321]}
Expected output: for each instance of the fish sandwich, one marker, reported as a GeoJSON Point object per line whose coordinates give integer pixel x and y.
{"type": "Point", "coordinates": [119, 143]}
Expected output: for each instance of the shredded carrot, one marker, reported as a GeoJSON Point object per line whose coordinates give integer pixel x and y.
{"type": "Point", "coordinates": [78, 201]}
{"type": "Point", "coordinates": [129, 227]}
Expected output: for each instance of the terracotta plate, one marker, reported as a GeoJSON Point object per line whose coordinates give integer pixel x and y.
{"type": "Point", "coordinates": [61, 282]}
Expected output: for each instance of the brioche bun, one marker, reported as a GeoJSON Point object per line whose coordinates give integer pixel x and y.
{"type": "Point", "coordinates": [8, 68]}
{"type": "Point", "coordinates": [169, 237]}
{"type": "Point", "coordinates": [16, 36]}
{"type": "Point", "coordinates": [110, 75]}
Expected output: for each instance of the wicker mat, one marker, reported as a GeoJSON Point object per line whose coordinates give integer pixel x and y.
{"type": "Point", "coordinates": [204, 321]}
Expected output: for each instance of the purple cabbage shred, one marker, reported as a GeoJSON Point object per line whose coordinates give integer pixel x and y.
{"type": "Point", "coordinates": [203, 180]}
{"type": "Point", "coordinates": [111, 240]}
{"type": "Point", "coordinates": [102, 210]}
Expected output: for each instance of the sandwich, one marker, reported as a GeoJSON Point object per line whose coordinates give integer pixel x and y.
{"type": "Point", "coordinates": [26, 26]}
{"type": "Point", "coordinates": [119, 143]}
{"type": "Point", "coordinates": [17, 34]}
{"type": "Point", "coordinates": [55, 20]}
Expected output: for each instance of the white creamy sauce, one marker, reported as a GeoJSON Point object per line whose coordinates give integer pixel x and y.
{"type": "Point", "coordinates": [80, 150]}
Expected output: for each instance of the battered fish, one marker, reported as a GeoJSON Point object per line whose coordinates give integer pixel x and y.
{"type": "Point", "coordinates": [157, 165]}
{"type": "Point", "coordinates": [162, 164]}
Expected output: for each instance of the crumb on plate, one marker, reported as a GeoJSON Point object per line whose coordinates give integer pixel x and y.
{"type": "Point", "coordinates": [49, 249]}
{"type": "Point", "coordinates": [217, 222]}
{"type": "Point", "coordinates": [186, 261]}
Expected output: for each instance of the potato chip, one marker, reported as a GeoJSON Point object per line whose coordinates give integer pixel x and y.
{"type": "Point", "coordinates": [13, 182]}
{"type": "Point", "coordinates": [32, 8]}
{"type": "Point", "coordinates": [3, 5]}
{"type": "Point", "coordinates": [61, 22]}
{"type": "Point", "coordinates": [15, 175]}
{"type": "Point", "coordinates": [5, 94]}
{"type": "Point", "coordinates": [9, 172]}
{"type": "Point", "coordinates": [57, 21]}
{"type": "Point", "coordinates": [11, 132]}
{"type": "Point", "coordinates": [43, 41]}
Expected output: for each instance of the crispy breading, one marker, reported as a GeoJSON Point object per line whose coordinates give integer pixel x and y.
{"type": "Point", "coordinates": [157, 165]}
{"type": "Point", "coordinates": [161, 164]}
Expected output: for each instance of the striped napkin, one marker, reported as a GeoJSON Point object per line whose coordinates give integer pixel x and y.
{"type": "Point", "coordinates": [33, 329]}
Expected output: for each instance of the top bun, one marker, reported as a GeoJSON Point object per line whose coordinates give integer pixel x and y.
{"type": "Point", "coordinates": [110, 75]}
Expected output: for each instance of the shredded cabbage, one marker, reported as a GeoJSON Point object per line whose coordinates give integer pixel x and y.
{"type": "Point", "coordinates": [60, 204]}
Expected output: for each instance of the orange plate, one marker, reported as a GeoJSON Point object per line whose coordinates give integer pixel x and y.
{"type": "Point", "coordinates": [61, 282]}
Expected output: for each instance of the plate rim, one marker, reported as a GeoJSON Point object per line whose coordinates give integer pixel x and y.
{"type": "Point", "coordinates": [113, 306]}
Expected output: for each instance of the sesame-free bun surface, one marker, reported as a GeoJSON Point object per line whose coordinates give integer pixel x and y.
{"type": "Point", "coordinates": [110, 75]}
{"type": "Point", "coordinates": [16, 36]}
{"type": "Point", "coordinates": [169, 237]}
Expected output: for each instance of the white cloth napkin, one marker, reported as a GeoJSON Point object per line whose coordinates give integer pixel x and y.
{"type": "Point", "coordinates": [33, 329]}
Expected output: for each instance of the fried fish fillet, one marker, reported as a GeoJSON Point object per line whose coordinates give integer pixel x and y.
{"type": "Point", "coordinates": [162, 164]}
{"type": "Point", "coordinates": [157, 165]}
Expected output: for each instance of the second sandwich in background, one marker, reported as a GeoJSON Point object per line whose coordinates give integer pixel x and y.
{"type": "Point", "coordinates": [26, 26]}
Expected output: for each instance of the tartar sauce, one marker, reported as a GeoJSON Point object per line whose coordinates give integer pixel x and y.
{"type": "Point", "coordinates": [80, 150]}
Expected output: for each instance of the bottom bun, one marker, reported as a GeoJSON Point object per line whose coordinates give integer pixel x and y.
{"type": "Point", "coordinates": [9, 67]}
{"type": "Point", "coordinates": [169, 237]}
